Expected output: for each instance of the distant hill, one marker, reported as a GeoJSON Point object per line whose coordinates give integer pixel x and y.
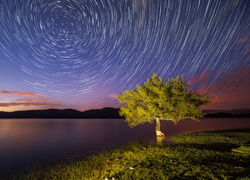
{"type": "Point", "coordinates": [107, 112]}
{"type": "Point", "coordinates": [228, 113]}
{"type": "Point", "coordinates": [65, 113]}
{"type": "Point", "coordinates": [233, 111]}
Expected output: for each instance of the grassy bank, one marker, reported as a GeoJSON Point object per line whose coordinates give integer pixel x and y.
{"type": "Point", "coordinates": [201, 155]}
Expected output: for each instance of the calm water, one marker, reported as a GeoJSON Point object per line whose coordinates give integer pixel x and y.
{"type": "Point", "coordinates": [24, 142]}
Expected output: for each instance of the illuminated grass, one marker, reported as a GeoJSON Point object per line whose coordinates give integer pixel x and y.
{"type": "Point", "coordinates": [245, 148]}
{"type": "Point", "coordinates": [203, 155]}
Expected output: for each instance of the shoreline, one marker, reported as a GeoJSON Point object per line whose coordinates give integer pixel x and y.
{"type": "Point", "coordinates": [199, 150]}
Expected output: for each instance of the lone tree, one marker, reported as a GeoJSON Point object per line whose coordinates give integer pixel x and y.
{"type": "Point", "coordinates": [158, 100]}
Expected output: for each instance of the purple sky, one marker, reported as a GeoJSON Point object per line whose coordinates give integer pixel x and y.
{"type": "Point", "coordinates": [78, 54]}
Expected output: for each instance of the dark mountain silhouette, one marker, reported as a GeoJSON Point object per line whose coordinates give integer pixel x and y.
{"type": "Point", "coordinates": [49, 113]}
{"type": "Point", "coordinates": [65, 113]}
{"type": "Point", "coordinates": [107, 112]}
{"type": "Point", "coordinates": [233, 111]}
{"type": "Point", "coordinates": [228, 113]}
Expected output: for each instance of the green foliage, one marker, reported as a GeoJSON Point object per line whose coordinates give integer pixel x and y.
{"type": "Point", "coordinates": [245, 148]}
{"type": "Point", "coordinates": [157, 99]}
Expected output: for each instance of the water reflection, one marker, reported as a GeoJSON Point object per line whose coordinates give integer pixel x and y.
{"type": "Point", "coordinates": [27, 141]}
{"type": "Point", "coordinates": [205, 124]}
{"type": "Point", "coordinates": [160, 139]}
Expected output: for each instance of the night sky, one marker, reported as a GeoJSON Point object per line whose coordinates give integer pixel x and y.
{"type": "Point", "coordinates": [80, 53]}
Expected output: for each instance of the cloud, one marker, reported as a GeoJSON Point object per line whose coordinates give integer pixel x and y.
{"type": "Point", "coordinates": [232, 99]}
{"type": "Point", "coordinates": [26, 99]}
{"type": "Point", "coordinates": [198, 79]}
{"type": "Point", "coordinates": [229, 91]}
{"type": "Point", "coordinates": [247, 51]}
{"type": "Point", "coordinates": [28, 104]}
{"type": "Point", "coordinates": [37, 99]}
{"type": "Point", "coordinates": [32, 100]}
{"type": "Point", "coordinates": [17, 93]}
{"type": "Point", "coordinates": [113, 96]}
{"type": "Point", "coordinates": [244, 40]}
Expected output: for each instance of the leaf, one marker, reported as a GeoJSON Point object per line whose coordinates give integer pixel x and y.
{"type": "Point", "coordinates": [170, 100]}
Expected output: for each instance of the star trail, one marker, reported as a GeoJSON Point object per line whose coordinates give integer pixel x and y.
{"type": "Point", "coordinates": [80, 53]}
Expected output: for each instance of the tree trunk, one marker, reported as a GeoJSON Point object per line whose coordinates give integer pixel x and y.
{"type": "Point", "coordinates": [158, 128]}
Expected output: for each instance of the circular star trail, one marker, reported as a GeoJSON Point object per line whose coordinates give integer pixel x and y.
{"type": "Point", "coordinates": [77, 47]}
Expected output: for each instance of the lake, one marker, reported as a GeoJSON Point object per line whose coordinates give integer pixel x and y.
{"type": "Point", "coordinates": [24, 142]}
